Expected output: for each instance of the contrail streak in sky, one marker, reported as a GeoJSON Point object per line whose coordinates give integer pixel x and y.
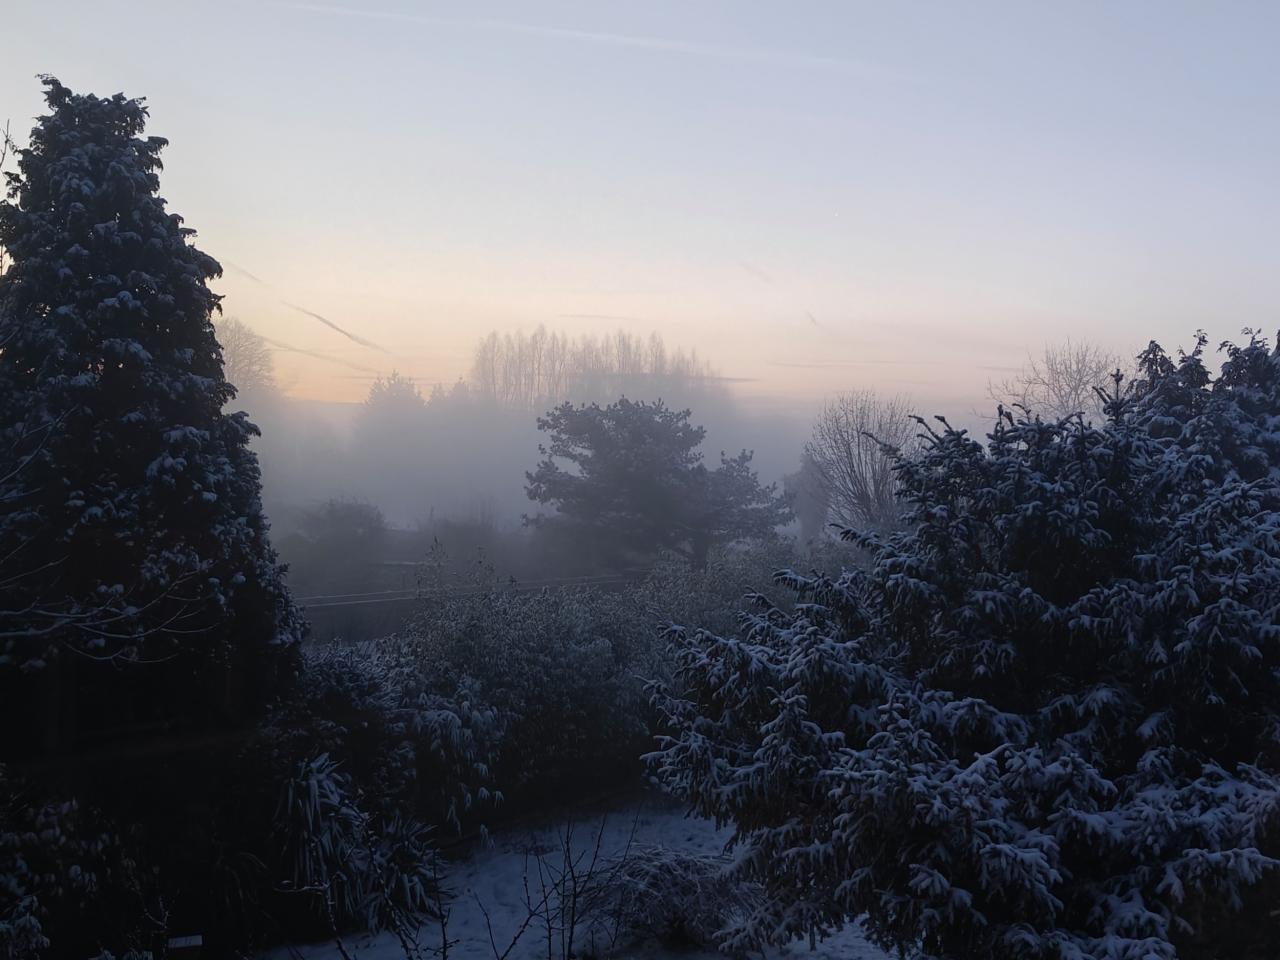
{"type": "Point", "coordinates": [243, 272]}
{"type": "Point", "coordinates": [599, 38]}
{"type": "Point", "coordinates": [318, 355]}
{"type": "Point", "coordinates": [353, 337]}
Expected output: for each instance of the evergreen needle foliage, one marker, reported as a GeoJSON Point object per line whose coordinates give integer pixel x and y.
{"type": "Point", "coordinates": [131, 531]}
{"type": "Point", "coordinates": [1045, 721]}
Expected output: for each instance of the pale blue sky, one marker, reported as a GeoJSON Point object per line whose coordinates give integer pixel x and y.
{"type": "Point", "coordinates": [942, 187]}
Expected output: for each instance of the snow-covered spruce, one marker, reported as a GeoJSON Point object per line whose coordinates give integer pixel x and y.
{"type": "Point", "coordinates": [130, 523]}
{"type": "Point", "coordinates": [1044, 722]}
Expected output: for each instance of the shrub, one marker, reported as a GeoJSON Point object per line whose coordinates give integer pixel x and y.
{"type": "Point", "coordinates": [1044, 722]}
{"type": "Point", "coordinates": [381, 763]}
{"type": "Point", "coordinates": [354, 868]}
{"type": "Point", "coordinates": [406, 745]}
{"type": "Point", "coordinates": [563, 671]}
{"type": "Point", "coordinates": [69, 883]}
{"type": "Point", "coordinates": [678, 899]}
{"type": "Point", "coordinates": [567, 711]}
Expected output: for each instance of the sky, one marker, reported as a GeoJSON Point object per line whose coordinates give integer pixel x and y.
{"type": "Point", "coordinates": [816, 196]}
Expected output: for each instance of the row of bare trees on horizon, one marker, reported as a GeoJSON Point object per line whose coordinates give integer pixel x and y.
{"type": "Point", "coordinates": [845, 477]}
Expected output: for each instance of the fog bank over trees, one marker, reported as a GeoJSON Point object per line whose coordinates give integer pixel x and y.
{"type": "Point", "coordinates": [444, 466]}
{"type": "Point", "coordinates": [462, 450]}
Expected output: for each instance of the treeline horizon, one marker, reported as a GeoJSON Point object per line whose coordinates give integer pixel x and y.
{"type": "Point", "coordinates": [413, 470]}
{"type": "Point", "coordinates": [462, 450]}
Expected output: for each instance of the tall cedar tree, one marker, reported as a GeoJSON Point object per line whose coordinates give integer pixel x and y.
{"type": "Point", "coordinates": [638, 484]}
{"type": "Point", "coordinates": [138, 581]}
{"type": "Point", "coordinates": [1044, 722]}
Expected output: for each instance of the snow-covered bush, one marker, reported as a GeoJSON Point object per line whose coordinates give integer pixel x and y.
{"type": "Point", "coordinates": [69, 886]}
{"type": "Point", "coordinates": [408, 747]}
{"type": "Point", "coordinates": [322, 819]}
{"type": "Point", "coordinates": [563, 671]}
{"type": "Point", "coordinates": [354, 868]}
{"type": "Point", "coordinates": [712, 597]}
{"type": "Point", "coordinates": [1045, 721]}
{"type": "Point", "coordinates": [566, 705]}
{"type": "Point", "coordinates": [676, 898]}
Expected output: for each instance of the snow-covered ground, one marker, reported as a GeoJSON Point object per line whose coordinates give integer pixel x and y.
{"type": "Point", "coordinates": [492, 879]}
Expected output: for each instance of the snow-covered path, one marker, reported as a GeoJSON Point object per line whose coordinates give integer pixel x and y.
{"type": "Point", "coordinates": [494, 879]}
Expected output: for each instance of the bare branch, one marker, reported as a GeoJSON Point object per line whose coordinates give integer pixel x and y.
{"type": "Point", "coordinates": [1063, 381]}
{"type": "Point", "coordinates": [851, 452]}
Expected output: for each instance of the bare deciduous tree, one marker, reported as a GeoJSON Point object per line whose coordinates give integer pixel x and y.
{"type": "Point", "coordinates": [848, 454]}
{"type": "Point", "coordinates": [542, 369]}
{"type": "Point", "coordinates": [1061, 381]}
{"type": "Point", "coordinates": [246, 358]}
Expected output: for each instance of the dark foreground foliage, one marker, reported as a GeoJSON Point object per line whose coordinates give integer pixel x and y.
{"type": "Point", "coordinates": [1045, 722]}
{"type": "Point", "coordinates": [131, 529]}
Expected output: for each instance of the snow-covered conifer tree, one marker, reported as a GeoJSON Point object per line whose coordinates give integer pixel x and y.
{"type": "Point", "coordinates": [131, 532]}
{"type": "Point", "coordinates": [1045, 721]}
